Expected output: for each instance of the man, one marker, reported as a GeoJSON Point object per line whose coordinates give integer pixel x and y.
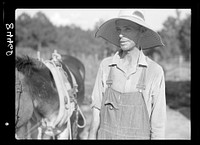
{"type": "Point", "coordinates": [128, 100]}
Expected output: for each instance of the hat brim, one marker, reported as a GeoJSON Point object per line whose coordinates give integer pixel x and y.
{"type": "Point", "coordinates": [150, 38]}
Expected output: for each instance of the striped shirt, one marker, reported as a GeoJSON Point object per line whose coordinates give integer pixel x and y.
{"type": "Point", "coordinates": [154, 94]}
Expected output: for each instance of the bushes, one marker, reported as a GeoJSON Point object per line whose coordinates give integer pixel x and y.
{"type": "Point", "coordinates": [178, 94]}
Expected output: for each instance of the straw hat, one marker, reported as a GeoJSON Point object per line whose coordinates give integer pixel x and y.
{"type": "Point", "coordinates": [108, 31]}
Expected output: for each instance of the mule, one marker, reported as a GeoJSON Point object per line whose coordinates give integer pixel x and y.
{"type": "Point", "coordinates": [37, 96]}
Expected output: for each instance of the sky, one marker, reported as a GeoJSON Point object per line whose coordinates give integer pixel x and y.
{"type": "Point", "coordinates": [87, 18]}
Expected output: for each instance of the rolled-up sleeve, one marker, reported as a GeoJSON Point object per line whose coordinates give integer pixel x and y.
{"type": "Point", "coordinates": [98, 89]}
{"type": "Point", "coordinates": [158, 114]}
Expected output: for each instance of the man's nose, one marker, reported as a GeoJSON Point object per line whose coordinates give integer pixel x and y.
{"type": "Point", "coordinates": [120, 35]}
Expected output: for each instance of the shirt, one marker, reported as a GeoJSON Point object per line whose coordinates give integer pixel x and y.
{"type": "Point", "coordinates": [154, 94]}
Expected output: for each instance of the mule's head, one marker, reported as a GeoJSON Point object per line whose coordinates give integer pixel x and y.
{"type": "Point", "coordinates": [38, 89]}
{"type": "Point", "coordinates": [23, 102]}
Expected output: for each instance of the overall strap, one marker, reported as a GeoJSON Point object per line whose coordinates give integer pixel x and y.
{"type": "Point", "coordinates": [141, 82]}
{"type": "Point", "coordinates": [109, 81]}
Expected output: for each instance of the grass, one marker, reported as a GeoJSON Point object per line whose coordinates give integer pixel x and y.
{"type": "Point", "coordinates": [185, 111]}
{"type": "Point", "coordinates": [176, 70]}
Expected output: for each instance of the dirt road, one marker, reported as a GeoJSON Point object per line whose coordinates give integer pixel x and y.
{"type": "Point", "coordinates": [177, 126]}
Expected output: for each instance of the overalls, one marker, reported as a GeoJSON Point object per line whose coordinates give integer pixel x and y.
{"type": "Point", "coordinates": [124, 115]}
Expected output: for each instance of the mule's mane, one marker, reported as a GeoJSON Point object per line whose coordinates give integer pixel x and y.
{"type": "Point", "coordinates": [37, 76]}
{"type": "Point", "coordinates": [28, 65]}
{"type": "Point", "coordinates": [33, 68]}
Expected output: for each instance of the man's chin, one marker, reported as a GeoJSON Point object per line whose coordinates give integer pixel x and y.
{"type": "Point", "coordinates": [124, 48]}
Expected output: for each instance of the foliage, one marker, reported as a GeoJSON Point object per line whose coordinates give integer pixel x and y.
{"type": "Point", "coordinates": [185, 38]}
{"type": "Point", "coordinates": [34, 32]}
{"type": "Point", "coordinates": [178, 93]}
{"type": "Point", "coordinates": [176, 37]}
{"type": "Point", "coordinates": [38, 32]}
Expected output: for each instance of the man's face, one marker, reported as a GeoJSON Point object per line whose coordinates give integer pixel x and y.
{"type": "Point", "coordinates": [128, 33]}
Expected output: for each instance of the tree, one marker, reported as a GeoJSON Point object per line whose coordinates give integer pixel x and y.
{"type": "Point", "coordinates": [176, 37]}
{"type": "Point", "coordinates": [35, 32]}
{"type": "Point", "coordinates": [23, 34]}
{"type": "Point", "coordinates": [42, 30]}
{"type": "Point", "coordinates": [185, 38]}
{"type": "Point", "coordinates": [170, 38]}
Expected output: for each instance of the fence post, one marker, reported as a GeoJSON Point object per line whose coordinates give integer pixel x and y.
{"type": "Point", "coordinates": [180, 65]}
{"type": "Point", "coordinates": [38, 55]}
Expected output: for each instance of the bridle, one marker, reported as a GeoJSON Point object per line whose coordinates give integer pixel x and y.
{"type": "Point", "coordinates": [19, 92]}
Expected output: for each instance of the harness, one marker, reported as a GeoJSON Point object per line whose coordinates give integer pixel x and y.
{"type": "Point", "coordinates": [67, 99]}
{"type": "Point", "coordinates": [61, 125]}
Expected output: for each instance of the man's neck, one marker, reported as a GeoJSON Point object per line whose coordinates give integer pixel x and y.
{"type": "Point", "coordinates": [131, 57]}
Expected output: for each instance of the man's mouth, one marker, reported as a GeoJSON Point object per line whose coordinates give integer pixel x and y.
{"type": "Point", "coordinates": [123, 42]}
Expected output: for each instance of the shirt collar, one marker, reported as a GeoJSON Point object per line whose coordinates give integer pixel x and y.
{"type": "Point", "coordinates": [142, 59]}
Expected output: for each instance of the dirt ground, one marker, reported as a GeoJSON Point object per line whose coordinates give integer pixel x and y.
{"type": "Point", "coordinates": [177, 125]}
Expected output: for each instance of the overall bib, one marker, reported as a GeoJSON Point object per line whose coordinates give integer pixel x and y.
{"type": "Point", "coordinates": [124, 115]}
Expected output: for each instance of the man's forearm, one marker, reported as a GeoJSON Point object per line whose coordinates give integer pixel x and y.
{"type": "Point", "coordinates": [94, 124]}
{"type": "Point", "coordinates": [92, 133]}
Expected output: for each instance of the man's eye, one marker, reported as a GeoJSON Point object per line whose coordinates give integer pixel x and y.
{"type": "Point", "coordinates": [127, 29]}
{"type": "Point", "coordinates": [118, 30]}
